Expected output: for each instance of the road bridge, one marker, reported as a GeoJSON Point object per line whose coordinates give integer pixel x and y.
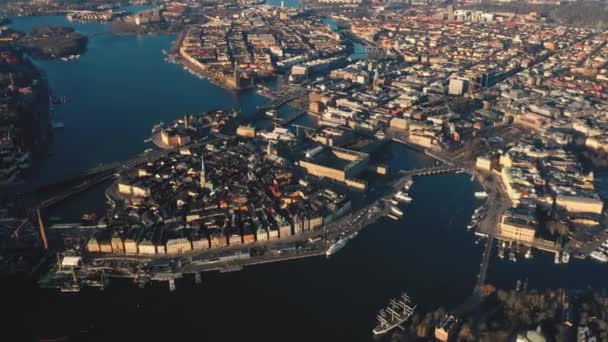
{"type": "Point", "coordinates": [427, 171]}
{"type": "Point", "coordinates": [53, 193]}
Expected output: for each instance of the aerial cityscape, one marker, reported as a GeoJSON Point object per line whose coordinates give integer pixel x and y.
{"type": "Point", "coordinates": [304, 170]}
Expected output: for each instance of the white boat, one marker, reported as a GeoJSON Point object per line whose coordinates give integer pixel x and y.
{"type": "Point", "coordinates": [273, 113]}
{"type": "Point", "coordinates": [403, 197]}
{"type": "Point", "coordinates": [393, 217]}
{"type": "Point", "coordinates": [557, 259]}
{"type": "Point", "coordinates": [471, 225]}
{"type": "Point", "coordinates": [393, 202]}
{"type": "Point", "coordinates": [481, 194]}
{"type": "Point", "coordinates": [408, 185]}
{"type": "Point", "coordinates": [157, 127]}
{"type": "Point", "coordinates": [599, 256]}
{"type": "Point", "coordinates": [336, 246]}
{"type": "Point", "coordinates": [528, 254]}
{"type": "Point", "coordinates": [396, 211]}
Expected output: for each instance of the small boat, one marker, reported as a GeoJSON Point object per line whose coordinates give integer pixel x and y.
{"type": "Point", "coordinates": [528, 254]}
{"type": "Point", "coordinates": [393, 202]}
{"type": "Point", "coordinates": [273, 113]}
{"type": "Point", "coordinates": [393, 217]}
{"type": "Point", "coordinates": [557, 259]}
{"type": "Point", "coordinates": [512, 256]}
{"type": "Point", "coordinates": [471, 225]}
{"type": "Point", "coordinates": [396, 211]}
{"type": "Point", "coordinates": [157, 127]}
{"type": "Point", "coordinates": [481, 194]}
{"type": "Point", "coordinates": [403, 197]}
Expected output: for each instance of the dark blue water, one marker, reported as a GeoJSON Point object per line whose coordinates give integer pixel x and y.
{"type": "Point", "coordinates": [288, 3]}
{"type": "Point", "coordinates": [121, 87]}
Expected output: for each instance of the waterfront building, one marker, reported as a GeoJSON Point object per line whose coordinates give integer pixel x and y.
{"type": "Point", "coordinates": [516, 228]}
{"type": "Point", "coordinates": [178, 246]}
{"type": "Point", "coordinates": [338, 164]}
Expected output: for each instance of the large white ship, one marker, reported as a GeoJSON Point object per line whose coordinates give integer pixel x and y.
{"type": "Point", "coordinates": [336, 246]}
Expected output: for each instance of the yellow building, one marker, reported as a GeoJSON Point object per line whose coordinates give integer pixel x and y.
{"type": "Point", "coordinates": [131, 246]}
{"type": "Point", "coordinates": [117, 244]}
{"type": "Point", "coordinates": [246, 131]}
{"type": "Point", "coordinates": [200, 244]}
{"type": "Point", "coordinates": [515, 228]}
{"type": "Point", "coordinates": [178, 246]}
{"type": "Point", "coordinates": [578, 204]}
{"type": "Point", "coordinates": [484, 163]}
{"type": "Point", "coordinates": [147, 247]}
{"type": "Point", "coordinates": [133, 190]}
{"type": "Point", "coordinates": [336, 163]}
{"type": "Point", "coordinates": [93, 246]}
{"type": "Point", "coordinates": [173, 139]}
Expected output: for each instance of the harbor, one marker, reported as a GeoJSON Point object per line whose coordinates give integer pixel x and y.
{"type": "Point", "coordinates": [410, 233]}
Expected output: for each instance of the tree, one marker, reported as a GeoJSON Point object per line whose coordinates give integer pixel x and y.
{"type": "Point", "coordinates": [557, 228]}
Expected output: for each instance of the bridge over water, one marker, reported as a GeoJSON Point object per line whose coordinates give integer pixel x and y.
{"type": "Point", "coordinates": [53, 193]}
{"type": "Point", "coordinates": [427, 171]}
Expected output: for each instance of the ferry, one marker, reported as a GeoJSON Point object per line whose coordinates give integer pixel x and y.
{"type": "Point", "coordinates": [336, 246]}
{"type": "Point", "coordinates": [481, 194]}
{"type": "Point", "coordinates": [403, 197]}
{"type": "Point", "coordinates": [396, 211]}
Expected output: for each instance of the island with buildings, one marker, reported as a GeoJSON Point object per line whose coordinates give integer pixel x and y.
{"type": "Point", "coordinates": [516, 99]}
